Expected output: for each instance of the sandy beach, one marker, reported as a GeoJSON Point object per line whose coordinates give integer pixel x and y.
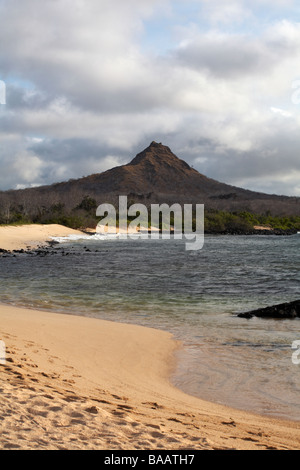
{"type": "Point", "coordinates": [31, 236]}
{"type": "Point", "coordinates": [71, 382]}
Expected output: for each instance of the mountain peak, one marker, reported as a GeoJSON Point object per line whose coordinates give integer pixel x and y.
{"type": "Point", "coordinates": [158, 154]}
{"type": "Point", "coordinates": [156, 145]}
{"type": "Point", "coordinates": [155, 175]}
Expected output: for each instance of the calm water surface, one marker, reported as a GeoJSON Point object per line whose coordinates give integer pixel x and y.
{"type": "Point", "coordinates": [242, 363]}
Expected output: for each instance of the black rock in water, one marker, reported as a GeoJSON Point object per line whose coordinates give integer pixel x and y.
{"type": "Point", "coordinates": [281, 311]}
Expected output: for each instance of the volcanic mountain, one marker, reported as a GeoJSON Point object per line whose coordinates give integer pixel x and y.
{"type": "Point", "coordinates": [155, 175]}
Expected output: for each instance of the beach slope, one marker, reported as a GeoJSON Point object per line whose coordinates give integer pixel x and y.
{"type": "Point", "coordinates": [71, 382]}
{"type": "Point", "coordinates": [31, 236]}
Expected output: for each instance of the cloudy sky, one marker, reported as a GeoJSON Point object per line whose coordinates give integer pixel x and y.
{"type": "Point", "coordinates": [90, 83]}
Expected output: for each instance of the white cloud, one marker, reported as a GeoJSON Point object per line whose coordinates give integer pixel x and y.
{"type": "Point", "coordinates": [226, 12]}
{"type": "Point", "coordinates": [27, 165]}
{"type": "Point", "coordinates": [281, 112]}
{"type": "Point", "coordinates": [221, 95]}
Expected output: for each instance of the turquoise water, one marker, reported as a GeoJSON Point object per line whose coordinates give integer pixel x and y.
{"type": "Point", "coordinates": [194, 295]}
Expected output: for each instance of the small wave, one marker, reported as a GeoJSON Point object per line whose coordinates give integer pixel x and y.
{"type": "Point", "coordinates": [95, 237]}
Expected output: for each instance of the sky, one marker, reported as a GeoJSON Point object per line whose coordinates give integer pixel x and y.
{"type": "Point", "coordinates": [90, 83]}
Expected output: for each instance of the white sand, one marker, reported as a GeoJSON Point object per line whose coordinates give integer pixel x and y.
{"type": "Point", "coordinates": [78, 383]}
{"type": "Point", "coordinates": [31, 236]}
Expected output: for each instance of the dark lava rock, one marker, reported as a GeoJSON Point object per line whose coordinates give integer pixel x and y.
{"type": "Point", "coordinates": [286, 310]}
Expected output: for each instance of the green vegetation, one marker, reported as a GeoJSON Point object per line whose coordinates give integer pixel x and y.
{"type": "Point", "coordinates": [221, 221]}
{"type": "Point", "coordinates": [84, 216]}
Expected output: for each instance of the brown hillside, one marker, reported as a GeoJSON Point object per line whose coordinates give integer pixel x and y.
{"type": "Point", "coordinates": [154, 175]}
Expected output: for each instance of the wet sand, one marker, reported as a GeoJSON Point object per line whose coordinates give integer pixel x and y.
{"type": "Point", "coordinates": [72, 382]}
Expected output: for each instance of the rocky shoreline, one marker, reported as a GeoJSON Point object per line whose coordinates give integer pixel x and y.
{"type": "Point", "coordinates": [43, 251]}
{"type": "Point", "coordinates": [277, 232]}
{"type": "Point", "coordinates": [289, 310]}
{"type": "Point", "coordinates": [52, 248]}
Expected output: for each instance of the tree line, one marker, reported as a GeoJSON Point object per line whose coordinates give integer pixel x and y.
{"type": "Point", "coordinates": [83, 215]}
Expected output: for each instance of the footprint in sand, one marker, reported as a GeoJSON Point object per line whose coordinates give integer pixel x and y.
{"type": "Point", "coordinates": [92, 410]}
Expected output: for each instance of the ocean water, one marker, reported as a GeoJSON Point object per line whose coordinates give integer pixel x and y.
{"type": "Point", "coordinates": [195, 295]}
